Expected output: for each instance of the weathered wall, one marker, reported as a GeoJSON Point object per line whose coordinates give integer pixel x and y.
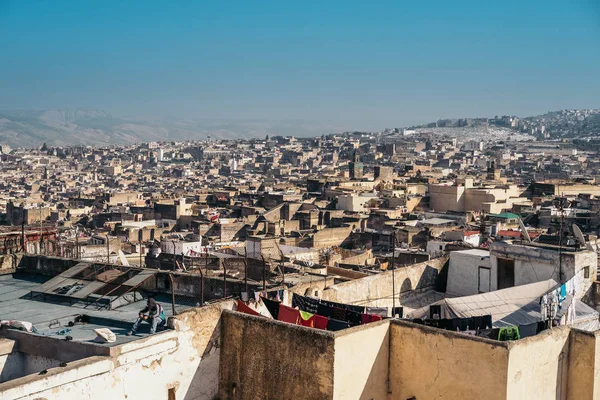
{"type": "Point", "coordinates": [9, 263]}
{"type": "Point", "coordinates": [538, 366]}
{"type": "Point", "coordinates": [428, 363]}
{"type": "Point", "coordinates": [329, 237]}
{"type": "Point", "coordinates": [376, 290]}
{"type": "Point", "coordinates": [45, 265]}
{"type": "Point", "coordinates": [184, 359]}
{"type": "Point", "coordinates": [267, 359]}
{"type": "Point", "coordinates": [582, 370]}
{"type": "Point", "coordinates": [361, 362]}
{"type": "Point", "coordinates": [17, 364]}
{"type": "Point", "coordinates": [534, 264]}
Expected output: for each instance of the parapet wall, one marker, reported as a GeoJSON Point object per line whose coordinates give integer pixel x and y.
{"type": "Point", "coordinates": [376, 290]}
{"type": "Point", "coordinates": [268, 359]}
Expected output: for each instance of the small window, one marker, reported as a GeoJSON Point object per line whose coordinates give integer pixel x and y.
{"type": "Point", "coordinates": [586, 272]}
{"type": "Point", "coordinates": [171, 394]}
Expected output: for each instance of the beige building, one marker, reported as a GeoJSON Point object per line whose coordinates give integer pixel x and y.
{"type": "Point", "coordinates": [463, 196]}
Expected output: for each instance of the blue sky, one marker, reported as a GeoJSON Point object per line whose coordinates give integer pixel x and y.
{"type": "Point", "coordinates": [366, 64]}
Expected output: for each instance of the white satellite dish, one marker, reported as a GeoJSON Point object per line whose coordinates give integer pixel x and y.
{"type": "Point", "coordinates": [524, 231]}
{"type": "Point", "coordinates": [581, 239]}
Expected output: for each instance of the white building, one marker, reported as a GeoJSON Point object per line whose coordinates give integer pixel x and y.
{"type": "Point", "coordinates": [470, 272]}
{"type": "Point", "coordinates": [179, 246]}
{"type": "Point", "coordinates": [354, 202]}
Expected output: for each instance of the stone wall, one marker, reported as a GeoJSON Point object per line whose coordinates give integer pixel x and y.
{"type": "Point", "coordinates": [329, 237]}
{"type": "Point", "coordinates": [376, 290]}
{"type": "Point", "coordinates": [267, 359]}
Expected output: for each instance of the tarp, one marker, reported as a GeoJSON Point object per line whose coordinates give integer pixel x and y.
{"type": "Point", "coordinates": [518, 305]}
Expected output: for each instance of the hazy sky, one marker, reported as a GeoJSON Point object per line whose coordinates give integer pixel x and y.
{"type": "Point", "coordinates": [368, 63]}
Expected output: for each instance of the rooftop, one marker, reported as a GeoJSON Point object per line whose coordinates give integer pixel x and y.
{"type": "Point", "coordinates": [52, 318]}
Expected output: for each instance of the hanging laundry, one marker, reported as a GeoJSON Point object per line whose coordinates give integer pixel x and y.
{"type": "Point", "coordinates": [288, 314]}
{"type": "Point", "coordinates": [383, 311]}
{"type": "Point", "coordinates": [528, 330]}
{"type": "Point", "coordinates": [336, 325]}
{"type": "Point", "coordinates": [397, 312]}
{"type": "Point", "coordinates": [307, 319]}
{"type": "Point", "coordinates": [354, 318]}
{"type": "Point", "coordinates": [339, 314]}
{"type": "Point", "coordinates": [324, 310]}
{"type": "Point", "coordinates": [320, 322]}
{"type": "Point", "coordinates": [241, 307]}
{"type": "Point", "coordinates": [489, 333]}
{"type": "Point", "coordinates": [367, 318]}
{"type": "Point", "coordinates": [349, 307]}
{"type": "Point", "coordinates": [272, 306]}
{"type": "Point", "coordinates": [305, 303]}
{"type": "Point", "coordinates": [510, 333]}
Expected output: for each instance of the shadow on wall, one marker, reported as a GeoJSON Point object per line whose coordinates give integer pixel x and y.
{"type": "Point", "coordinates": [205, 383]}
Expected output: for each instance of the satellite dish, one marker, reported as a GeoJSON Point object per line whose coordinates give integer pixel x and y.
{"type": "Point", "coordinates": [524, 231]}
{"type": "Point", "coordinates": [581, 239]}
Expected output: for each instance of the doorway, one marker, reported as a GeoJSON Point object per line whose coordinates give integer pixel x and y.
{"type": "Point", "coordinates": [506, 273]}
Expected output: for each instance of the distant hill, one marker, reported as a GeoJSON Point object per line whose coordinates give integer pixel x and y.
{"type": "Point", "coordinates": [31, 128]}
{"type": "Point", "coordinates": [570, 123]}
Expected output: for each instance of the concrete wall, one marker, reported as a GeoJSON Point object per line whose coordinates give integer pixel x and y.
{"type": "Point", "coordinates": [534, 264]}
{"type": "Point", "coordinates": [583, 367]}
{"type": "Point", "coordinates": [428, 363]}
{"type": "Point", "coordinates": [267, 359]}
{"type": "Point", "coordinates": [376, 290]}
{"type": "Point", "coordinates": [361, 362]}
{"type": "Point", "coordinates": [17, 364]}
{"type": "Point", "coordinates": [185, 359]}
{"type": "Point", "coordinates": [463, 272]}
{"type": "Point", "coordinates": [538, 366]}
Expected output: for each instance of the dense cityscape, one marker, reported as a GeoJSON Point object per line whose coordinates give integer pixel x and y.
{"type": "Point", "coordinates": [285, 200]}
{"type": "Point", "coordinates": [467, 233]}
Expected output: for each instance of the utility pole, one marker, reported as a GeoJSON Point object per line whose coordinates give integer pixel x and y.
{"type": "Point", "coordinates": [264, 266]}
{"type": "Point", "coordinates": [107, 249]}
{"type": "Point", "coordinates": [393, 271]}
{"type": "Point", "coordinates": [224, 277]}
{"type": "Point", "coordinates": [246, 271]}
{"type": "Point", "coordinates": [23, 236]}
{"type": "Point", "coordinates": [41, 230]}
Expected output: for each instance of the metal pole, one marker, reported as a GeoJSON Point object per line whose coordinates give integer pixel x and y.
{"type": "Point", "coordinates": [107, 250]}
{"type": "Point", "coordinates": [263, 272]}
{"type": "Point", "coordinates": [41, 230]}
{"type": "Point", "coordinates": [393, 272]}
{"type": "Point", "coordinates": [201, 287]}
{"type": "Point", "coordinates": [246, 271]}
{"type": "Point", "coordinates": [206, 260]}
{"type": "Point", "coordinates": [141, 264]}
{"type": "Point", "coordinates": [282, 266]}
{"type": "Point", "coordinates": [172, 293]}
{"type": "Point", "coordinates": [23, 236]}
{"type": "Point", "coordinates": [224, 277]}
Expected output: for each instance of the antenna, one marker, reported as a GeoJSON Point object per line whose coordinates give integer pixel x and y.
{"type": "Point", "coordinates": [581, 239]}
{"type": "Point", "coordinates": [524, 231]}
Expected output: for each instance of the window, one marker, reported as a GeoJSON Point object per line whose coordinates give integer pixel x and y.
{"type": "Point", "coordinates": [171, 394]}
{"type": "Point", "coordinates": [586, 272]}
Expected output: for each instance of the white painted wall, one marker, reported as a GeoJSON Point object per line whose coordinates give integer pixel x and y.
{"type": "Point", "coordinates": [463, 272]}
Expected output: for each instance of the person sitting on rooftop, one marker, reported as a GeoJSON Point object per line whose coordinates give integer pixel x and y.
{"type": "Point", "coordinates": [153, 313]}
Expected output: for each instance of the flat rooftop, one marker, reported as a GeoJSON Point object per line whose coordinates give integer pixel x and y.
{"type": "Point", "coordinates": [51, 318]}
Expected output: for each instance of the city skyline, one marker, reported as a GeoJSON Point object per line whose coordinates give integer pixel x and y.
{"type": "Point", "coordinates": [366, 67]}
